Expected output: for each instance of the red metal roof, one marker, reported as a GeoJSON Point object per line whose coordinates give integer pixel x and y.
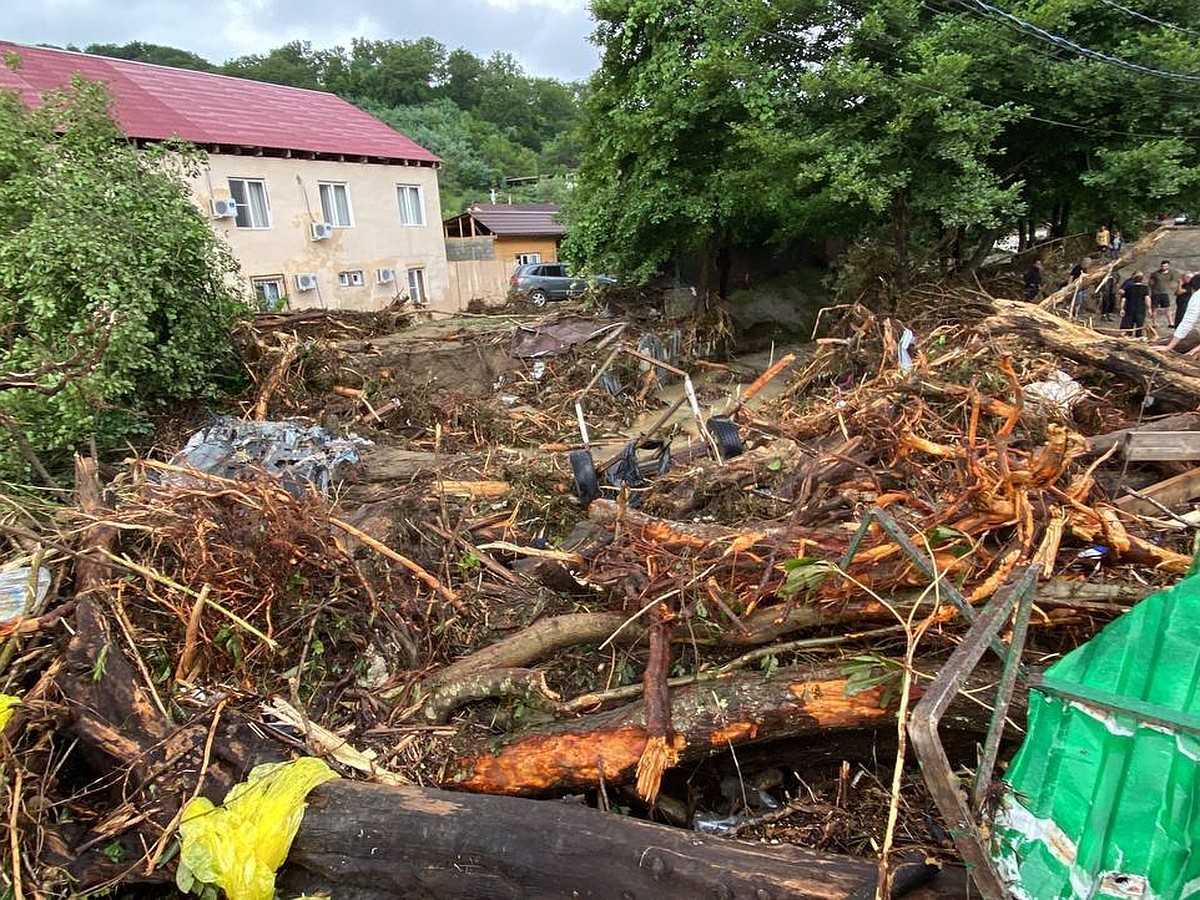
{"type": "Point", "coordinates": [155, 102]}
{"type": "Point", "coordinates": [519, 218]}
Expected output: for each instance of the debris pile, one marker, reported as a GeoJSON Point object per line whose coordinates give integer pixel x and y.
{"type": "Point", "coordinates": [703, 641]}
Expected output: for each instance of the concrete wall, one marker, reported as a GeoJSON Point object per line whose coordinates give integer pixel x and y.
{"type": "Point", "coordinates": [480, 267]}
{"type": "Point", "coordinates": [376, 239]}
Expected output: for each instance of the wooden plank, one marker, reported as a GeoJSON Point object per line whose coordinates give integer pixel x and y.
{"type": "Point", "coordinates": [1189, 421]}
{"type": "Point", "coordinates": [1146, 446]}
{"type": "Point", "coordinates": [1170, 493]}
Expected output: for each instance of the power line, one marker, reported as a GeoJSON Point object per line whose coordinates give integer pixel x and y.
{"type": "Point", "coordinates": [1166, 88]}
{"type": "Point", "coordinates": [1007, 18]}
{"type": "Point", "coordinates": [991, 108]}
{"type": "Point", "coordinates": [1145, 18]}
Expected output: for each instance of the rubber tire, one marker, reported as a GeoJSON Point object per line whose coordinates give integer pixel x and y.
{"type": "Point", "coordinates": [539, 298]}
{"type": "Point", "coordinates": [587, 483]}
{"type": "Point", "coordinates": [725, 433]}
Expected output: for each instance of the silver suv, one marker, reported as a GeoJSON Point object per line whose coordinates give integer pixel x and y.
{"type": "Point", "coordinates": [540, 283]}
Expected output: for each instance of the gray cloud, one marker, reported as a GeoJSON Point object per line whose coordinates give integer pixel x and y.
{"type": "Point", "coordinates": [548, 37]}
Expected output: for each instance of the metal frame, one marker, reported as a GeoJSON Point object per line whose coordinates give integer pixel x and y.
{"type": "Point", "coordinates": [939, 776]}
{"type": "Point", "coordinates": [1012, 603]}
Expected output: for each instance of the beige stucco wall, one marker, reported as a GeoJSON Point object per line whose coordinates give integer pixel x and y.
{"type": "Point", "coordinates": [487, 279]}
{"type": "Point", "coordinates": [377, 239]}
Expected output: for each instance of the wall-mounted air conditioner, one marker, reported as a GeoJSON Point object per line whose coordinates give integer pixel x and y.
{"type": "Point", "coordinates": [385, 276]}
{"type": "Point", "coordinates": [321, 231]}
{"type": "Point", "coordinates": [224, 209]}
{"type": "Point", "coordinates": [306, 281]}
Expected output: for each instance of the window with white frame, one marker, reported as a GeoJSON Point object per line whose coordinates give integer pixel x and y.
{"type": "Point", "coordinates": [412, 204]}
{"type": "Point", "coordinates": [353, 278]}
{"type": "Point", "coordinates": [528, 259]}
{"type": "Point", "coordinates": [335, 204]}
{"type": "Point", "coordinates": [253, 208]}
{"type": "Point", "coordinates": [416, 286]}
{"type": "Point", "coordinates": [269, 292]}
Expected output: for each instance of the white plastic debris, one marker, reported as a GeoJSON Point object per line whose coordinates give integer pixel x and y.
{"type": "Point", "coordinates": [907, 339]}
{"type": "Point", "coordinates": [1058, 393]}
{"type": "Point", "coordinates": [15, 599]}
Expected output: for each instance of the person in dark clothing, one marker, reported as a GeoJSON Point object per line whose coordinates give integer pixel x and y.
{"type": "Point", "coordinates": [1187, 286]}
{"type": "Point", "coordinates": [1108, 301]}
{"type": "Point", "coordinates": [1135, 304]}
{"type": "Point", "coordinates": [1033, 280]}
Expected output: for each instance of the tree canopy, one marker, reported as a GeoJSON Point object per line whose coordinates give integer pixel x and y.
{"type": "Point", "coordinates": [932, 125]}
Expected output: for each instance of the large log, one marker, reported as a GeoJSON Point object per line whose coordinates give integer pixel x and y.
{"type": "Point", "coordinates": [707, 718]}
{"type": "Point", "coordinates": [368, 842]}
{"type": "Point", "coordinates": [1172, 379]}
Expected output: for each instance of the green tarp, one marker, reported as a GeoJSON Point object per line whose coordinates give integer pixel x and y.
{"type": "Point", "coordinates": [1103, 798]}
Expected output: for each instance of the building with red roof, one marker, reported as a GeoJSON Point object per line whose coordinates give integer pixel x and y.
{"type": "Point", "coordinates": [323, 204]}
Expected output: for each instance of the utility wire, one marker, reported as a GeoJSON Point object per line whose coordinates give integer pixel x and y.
{"type": "Point", "coordinates": [1166, 89]}
{"type": "Point", "coordinates": [1007, 18]}
{"type": "Point", "coordinates": [1145, 18]}
{"type": "Point", "coordinates": [1106, 132]}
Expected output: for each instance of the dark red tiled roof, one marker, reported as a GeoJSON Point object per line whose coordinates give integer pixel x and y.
{"type": "Point", "coordinates": [156, 102]}
{"type": "Point", "coordinates": [519, 218]}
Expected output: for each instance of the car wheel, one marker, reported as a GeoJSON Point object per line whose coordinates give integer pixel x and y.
{"type": "Point", "coordinates": [587, 484]}
{"type": "Point", "coordinates": [725, 433]}
{"type": "Point", "coordinates": [538, 298]}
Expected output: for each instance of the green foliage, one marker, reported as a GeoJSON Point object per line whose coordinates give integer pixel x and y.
{"type": "Point", "coordinates": [114, 289]}
{"type": "Point", "coordinates": [805, 574]}
{"type": "Point", "coordinates": [868, 671]}
{"type": "Point", "coordinates": [139, 51]}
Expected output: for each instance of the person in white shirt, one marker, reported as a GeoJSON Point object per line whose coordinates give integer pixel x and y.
{"type": "Point", "coordinates": [1186, 325]}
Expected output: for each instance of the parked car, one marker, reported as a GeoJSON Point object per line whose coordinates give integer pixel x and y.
{"type": "Point", "coordinates": [540, 283]}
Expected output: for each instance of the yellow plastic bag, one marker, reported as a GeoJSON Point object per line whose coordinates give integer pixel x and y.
{"type": "Point", "coordinates": [7, 702]}
{"type": "Point", "coordinates": [239, 845]}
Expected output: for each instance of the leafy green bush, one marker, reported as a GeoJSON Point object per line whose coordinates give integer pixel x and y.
{"type": "Point", "coordinates": [116, 298]}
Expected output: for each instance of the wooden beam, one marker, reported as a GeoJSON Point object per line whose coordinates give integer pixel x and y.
{"type": "Point", "coordinates": [1170, 493]}
{"type": "Point", "coordinates": [1189, 421]}
{"type": "Point", "coordinates": [1161, 446]}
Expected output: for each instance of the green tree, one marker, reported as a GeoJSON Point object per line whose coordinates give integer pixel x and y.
{"type": "Point", "coordinates": [140, 51]}
{"type": "Point", "coordinates": [663, 173]}
{"type": "Point", "coordinates": [294, 64]}
{"type": "Point", "coordinates": [116, 297]}
{"type": "Point", "coordinates": [1098, 141]}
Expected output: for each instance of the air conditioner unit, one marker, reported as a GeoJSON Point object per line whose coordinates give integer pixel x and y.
{"type": "Point", "coordinates": [306, 282]}
{"type": "Point", "coordinates": [321, 231]}
{"type": "Point", "coordinates": [224, 209]}
{"type": "Point", "coordinates": [385, 276]}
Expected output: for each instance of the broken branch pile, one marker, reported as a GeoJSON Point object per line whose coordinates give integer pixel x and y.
{"type": "Point", "coordinates": [458, 618]}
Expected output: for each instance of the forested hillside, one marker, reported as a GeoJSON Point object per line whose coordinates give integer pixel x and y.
{"type": "Point", "coordinates": [486, 118]}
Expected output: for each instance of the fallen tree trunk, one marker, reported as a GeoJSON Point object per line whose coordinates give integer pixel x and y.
{"type": "Point", "coordinates": [708, 717]}
{"type": "Point", "coordinates": [1169, 377]}
{"type": "Point", "coordinates": [366, 842]}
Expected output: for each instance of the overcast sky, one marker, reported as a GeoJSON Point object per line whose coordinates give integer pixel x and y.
{"type": "Point", "coordinates": [549, 37]}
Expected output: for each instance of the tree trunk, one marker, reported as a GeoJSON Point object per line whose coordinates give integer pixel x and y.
{"type": "Point", "coordinates": [708, 717]}
{"type": "Point", "coordinates": [900, 239]}
{"type": "Point", "coordinates": [1176, 382]}
{"type": "Point", "coordinates": [367, 842]}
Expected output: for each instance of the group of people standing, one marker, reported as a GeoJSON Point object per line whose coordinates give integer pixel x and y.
{"type": "Point", "coordinates": [1143, 303]}
{"type": "Point", "coordinates": [1150, 300]}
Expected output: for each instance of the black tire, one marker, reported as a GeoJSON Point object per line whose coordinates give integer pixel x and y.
{"type": "Point", "coordinates": [725, 433]}
{"type": "Point", "coordinates": [587, 484]}
{"type": "Point", "coordinates": [538, 298]}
